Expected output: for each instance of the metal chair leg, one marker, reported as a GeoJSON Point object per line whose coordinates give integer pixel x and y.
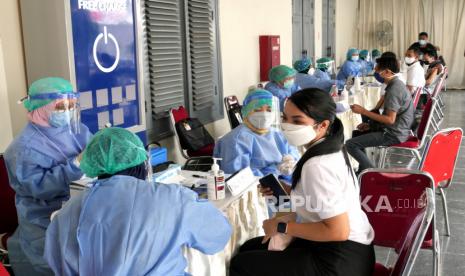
{"type": "Point", "coordinates": [417, 154]}
{"type": "Point", "coordinates": [441, 101]}
{"type": "Point", "coordinates": [446, 214]}
{"type": "Point", "coordinates": [436, 254]}
{"type": "Point", "coordinates": [382, 157]}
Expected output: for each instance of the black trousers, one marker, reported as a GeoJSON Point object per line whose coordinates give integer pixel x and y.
{"type": "Point", "coordinates": [304, 258]}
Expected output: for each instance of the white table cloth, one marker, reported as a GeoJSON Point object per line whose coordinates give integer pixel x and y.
{"type": "Point", "coordinates": [367, 97]}
{"type": "Point", "coordinates": [245, 214]}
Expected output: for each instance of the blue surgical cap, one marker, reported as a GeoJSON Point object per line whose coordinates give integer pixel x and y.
{"type": "Point", "coordinates": [46, 87]}
{"type": "Point", "coordinates": [350, 52]}
{"type": "Point", "coordinates": [281, 72]}
{"type": "Point", "coordinates": [363, 54]}
{"type": "Point", "coordinates": [302, 64]}
{"type": "Point", "coordinates": [255, 100]}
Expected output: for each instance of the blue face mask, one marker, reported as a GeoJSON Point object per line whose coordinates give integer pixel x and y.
{"type": "Point", "coordinates": [60, 119]}
{"type": "Point", "coordinates": [378, 77]}
{"type": "Point", "coordinates": [355, 58]}
{"type": "Point", "coordinates": [288, 84]}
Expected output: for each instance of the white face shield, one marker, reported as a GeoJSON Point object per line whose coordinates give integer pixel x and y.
{"type": "Point", "coordinates": [327, 67]}
{"type": "Point", "coordinates": [67, 112]}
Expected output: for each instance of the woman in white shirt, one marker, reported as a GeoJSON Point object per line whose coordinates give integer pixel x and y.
{"type": "Point", "coordinates": [332, 235]}
{"type": "Point", "coordinates": [413, 72]}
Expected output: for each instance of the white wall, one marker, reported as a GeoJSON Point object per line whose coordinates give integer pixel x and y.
{"type": "Point", "coordinates": [15, 83]}
{"type": "Point", "coordinates": [346, 28]}
{"type": "Point", "coordinates": [6, 131]}
{"type": "Point", "coordinates": [241, 23]}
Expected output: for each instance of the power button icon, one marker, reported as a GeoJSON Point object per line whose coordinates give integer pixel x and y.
{"type": "Point", "coordinates": [105, 35]}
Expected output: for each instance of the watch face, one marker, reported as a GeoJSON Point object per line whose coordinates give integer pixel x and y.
{"type": "Point", "coordinates": [282, 227]}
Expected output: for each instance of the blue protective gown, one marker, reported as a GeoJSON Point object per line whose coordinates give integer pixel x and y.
{"type": "Point", "coordinates": [242, 148]}
{"type": "Point", "coordinates": [309, 81]}
{"type": "Point", "coordinates": [40, 168]}
{"type": "Point", "coordinates": [126, 226]}
{"type": "Point", "coordinates": [321, 74]}
{"type": "Point", "coordinates": [370, 66]}
{"type": "Point", "coordinates": [281, 93]}
{"type": "Point", "coordinates": [349, 68]}
{"type": "Point", "coordinates": [366, 67]}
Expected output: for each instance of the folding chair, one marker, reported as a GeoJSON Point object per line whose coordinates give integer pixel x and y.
{"type": "Point", "coordinates": [436, 94]}
{"type": "Point", "coordinates": [8, 215]}
{"type": "Point", "coordinates": [180, 114]}
{"type": "Point", "coordinates": [233, 108]}
{"type": "Point", "coordinates": [439, 159]}
{"type": "Point", "coordinates": [3, 271]}
{"type": "Point", "coordinates": [391, 199]}
{"type": "Point", "coordinates": [416, 97]}
{"type": "Point", "coordinates": [440, 86]}
{"type": "Point", "coordinates": [415, 143]}
{"type": "Point", "coordinates": [418, 225]}
{"type": "Point", "coordinates": [202, 164]}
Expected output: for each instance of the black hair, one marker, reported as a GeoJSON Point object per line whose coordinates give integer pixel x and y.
{"type": "Point", "coordinates": [423, 33]}
{"type": "Point", "coordinates": [441, 60]}
{"type": "Point", "coordinates": [319, 106]}
{"type": "Point", "coordinates": [388, 55]}
{"type": "Point", "coordinates": [388, 63]}
{"type": "Point", "coordinates": [416, 50]}
{"type": "Point", "coordinates": [139, 171]}
{"type": "Point", "coordinates": [431, 52]}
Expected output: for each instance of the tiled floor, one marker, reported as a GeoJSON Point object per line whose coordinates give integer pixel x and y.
{"type": "Point", "coordinates": [453, 247]}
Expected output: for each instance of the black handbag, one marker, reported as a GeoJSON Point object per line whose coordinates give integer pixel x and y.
{"type": "Point", "coordinates": [193, 135]}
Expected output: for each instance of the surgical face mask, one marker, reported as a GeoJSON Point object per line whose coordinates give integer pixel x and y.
{"type": "Point", "coordinates": [261, 120]}
{"type": "Point", "coordinates": [60, 118]}
{"type": "Point", "coordinates": [378, 77]}
{"type": "Point", "coordinates": [409, 60]}
{"type": "Point", "coordinates": [354, 58]}
{"type": "Point", "coordinates": [298, 135]}
{"type": "Point", "coordinates": [422, 42]}
{"type": "Point", "coordinates": [288, 84]}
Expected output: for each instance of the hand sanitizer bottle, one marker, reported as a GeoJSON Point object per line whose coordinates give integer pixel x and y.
{"type": "Point", "coordinates": [216, 187]}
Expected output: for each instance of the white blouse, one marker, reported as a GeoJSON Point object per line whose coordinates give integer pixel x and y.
{"type": "Point", "coordinates": [328, 189]}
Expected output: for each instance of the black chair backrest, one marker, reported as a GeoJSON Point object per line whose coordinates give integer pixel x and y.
{"type": "Point", "coordinates": [233, 109]}
{"type": "Point", "coordinates": [202, 164]}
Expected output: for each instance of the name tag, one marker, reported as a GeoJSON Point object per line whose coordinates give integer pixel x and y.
{"type": "Point", "coordinates": [241, 181]}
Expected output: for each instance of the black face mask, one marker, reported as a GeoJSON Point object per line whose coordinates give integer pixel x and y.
{"type": "Point", "coordinates": [426, 62]}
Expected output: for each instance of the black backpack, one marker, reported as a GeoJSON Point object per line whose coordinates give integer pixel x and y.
{"type": "Point", "coordinates": [193, 135]}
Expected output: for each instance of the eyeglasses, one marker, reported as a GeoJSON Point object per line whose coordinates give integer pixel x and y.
{"type": "Point", "coordinates": [65, 105]}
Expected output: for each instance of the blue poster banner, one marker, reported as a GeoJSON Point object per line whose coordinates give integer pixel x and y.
{"type": "Point", "coordinates": [105, 60]}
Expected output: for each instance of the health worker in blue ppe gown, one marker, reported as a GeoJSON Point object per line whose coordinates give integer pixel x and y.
{"type": "Point", "coordinates": [351, 66]}
{"type": "Point", "coordinates": [125, 225]}
{"type": "Point", "coordinates": [304, 80]}
{"type": "Point", "coordinates": [256, 143]}
{"type": "Point", "coordinates": [323, 68]}
{"type": "Point", "coordinates": [375, 53]}
{"type": "Point", "coordinates": [282, 83]}
{"type": "Point", "coordinates": [365, 62]}
{"type": "Point", "coordinates": [41, 163]}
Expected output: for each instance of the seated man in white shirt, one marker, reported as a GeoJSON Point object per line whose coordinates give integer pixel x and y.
{"type": "Point", "coordinates": [412, 71]}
